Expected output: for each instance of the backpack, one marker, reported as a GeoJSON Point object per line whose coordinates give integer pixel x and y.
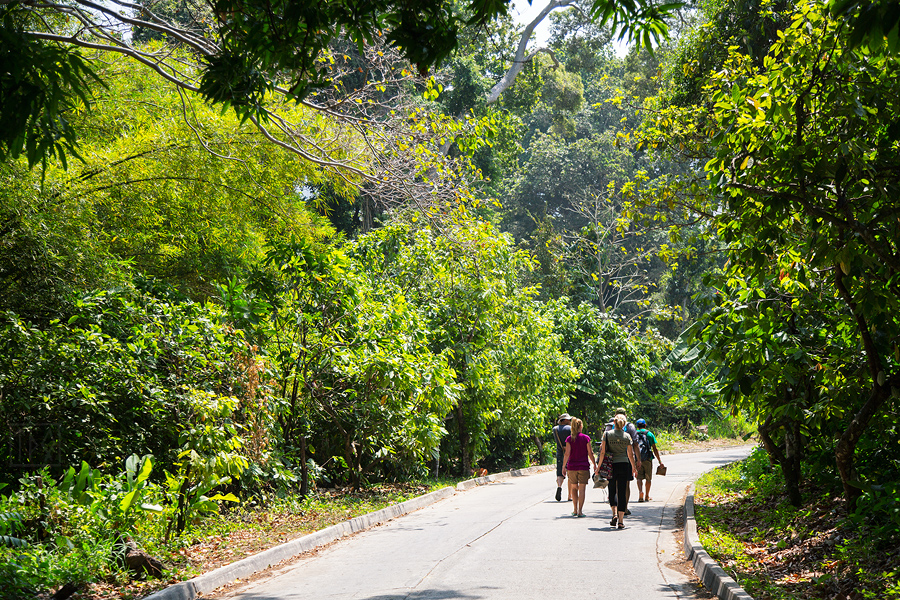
{"type": "Point", "coordinates": [645, 446]}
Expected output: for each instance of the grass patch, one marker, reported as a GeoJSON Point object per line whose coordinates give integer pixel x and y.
{"type": "Point", "coordinates": [684, 436]}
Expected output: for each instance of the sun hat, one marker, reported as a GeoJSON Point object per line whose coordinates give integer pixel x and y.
{"type": "Point", "coordinates": [564, 417]}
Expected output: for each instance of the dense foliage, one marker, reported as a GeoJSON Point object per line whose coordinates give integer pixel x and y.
{"type": "Point", "coordinates": [791, 153]}
{"type": "Point", "coordinates": [401, 276]}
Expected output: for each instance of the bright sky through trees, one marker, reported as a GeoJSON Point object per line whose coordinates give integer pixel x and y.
{"type": "Point", "coordinates": [523, 13]}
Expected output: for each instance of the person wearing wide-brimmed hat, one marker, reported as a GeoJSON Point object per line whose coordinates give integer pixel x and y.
{"type": "Point", "coordinates": [561, 431]}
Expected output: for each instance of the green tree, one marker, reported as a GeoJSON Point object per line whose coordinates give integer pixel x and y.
{"type": "Point", "coordinates": [801, 188]}
{"type": "Point", "coordinates": [182, 192]}
{"type": "Point", "coordinates": [247, 51]}
{"type": "Point", "coordinates": [611, 366]}
{"type": "Point", "coordinates": [354, 369]}
{"type": "Point", "coordinates": [113, 377]}
{"type": "Point", "coordinates": [466, 282]}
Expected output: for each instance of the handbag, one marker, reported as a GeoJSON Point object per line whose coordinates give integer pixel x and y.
{"type": "Point", "coordinates": [660, 469]}
{"type": "Point", "coordinates": [605, 468]}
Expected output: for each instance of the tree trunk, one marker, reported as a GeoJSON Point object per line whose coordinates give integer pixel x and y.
{"type": "Point", "coordinates": [845, 451]}
{"type": "Point", "coordinates": [304, 469]}
{"type": "Point", "coordinates": [793, 451]}
{"type": "Point", "coordinates": [463, 440]}
{"type": "Point", "coordinates": [351, 460]}
{"type": "Point", "coordinates": [520, 58]}
{"type": "Point", "coordinates": [540, 448]}
{"type": "Point", "coordinates": [879, 395]}
{"type": "Point", "coordinates": [787, 459]}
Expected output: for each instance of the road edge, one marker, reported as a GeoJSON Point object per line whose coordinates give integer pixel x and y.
{"type": "Point", "coordinates": [203, 584]}
{"type": "Point", "coordinates": [711, 574]}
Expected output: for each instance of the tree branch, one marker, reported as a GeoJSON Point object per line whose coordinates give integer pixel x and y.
{"type": "Point", "coordinates": [519, 59]}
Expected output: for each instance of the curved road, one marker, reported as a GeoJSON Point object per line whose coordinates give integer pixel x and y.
{"type": "Point", "coordinates": [506, 540]}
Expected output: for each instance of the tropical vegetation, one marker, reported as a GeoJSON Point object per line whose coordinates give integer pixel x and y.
{"type": "Point", "coordinates": [250, 253]}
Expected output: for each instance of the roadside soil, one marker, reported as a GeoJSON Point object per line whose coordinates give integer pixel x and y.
{"type": "Point", "coordinates": [705, 446]}
{"type": "Point", "coordinates": [806, 558]}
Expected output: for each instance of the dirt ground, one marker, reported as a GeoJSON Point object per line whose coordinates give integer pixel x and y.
{"type": "Point", "coordinates": [706, 446]}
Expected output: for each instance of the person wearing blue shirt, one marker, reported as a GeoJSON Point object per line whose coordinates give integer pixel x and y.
{"type": "Point", "coordinates": [647, 445]}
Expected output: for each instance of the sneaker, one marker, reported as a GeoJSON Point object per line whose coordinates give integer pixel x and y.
{"type": "Point", "coordinates": [558, 494]}
{"type": "Point", "coordinates": [614, 521]}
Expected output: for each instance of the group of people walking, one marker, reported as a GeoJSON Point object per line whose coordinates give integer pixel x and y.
{"type": "Point", "coordinates": [631, 450]}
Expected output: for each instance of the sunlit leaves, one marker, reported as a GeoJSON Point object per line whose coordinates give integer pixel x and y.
{"type": "Point", "coordinates": [175, 186]}
{"type": "Point", "coordinates": [466, 285]}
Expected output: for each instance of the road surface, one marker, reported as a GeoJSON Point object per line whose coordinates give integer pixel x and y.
{"type": "Point", "coordinates": [507, 540]}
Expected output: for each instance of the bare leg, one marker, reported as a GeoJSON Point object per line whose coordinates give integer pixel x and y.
{"type": "Point", "coordinates": [581, 494]}
{"type": "Point", "coordinates": [647, 493]}
{"type": "Point", "coordinates": [640, 489]}
{"type": "Point", "coordinates": [574, 493]}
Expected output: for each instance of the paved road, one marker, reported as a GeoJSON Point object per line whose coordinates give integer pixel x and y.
{"type": "Point", "coordinates": [506, 540]}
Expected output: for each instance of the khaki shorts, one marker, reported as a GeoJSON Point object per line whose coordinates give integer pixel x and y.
{"type": "Point", "coordinates": [581, 477]}
{"type": "Point", "coordinates": [645, 471]}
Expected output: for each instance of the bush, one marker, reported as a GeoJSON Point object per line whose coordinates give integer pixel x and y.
{"type": "Point", "coordinates": [113, 379]}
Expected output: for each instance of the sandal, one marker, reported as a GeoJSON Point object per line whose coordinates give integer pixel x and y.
{"type": "Point", "coordinates": [621, 526]}
{"type": "Point", "coordinates": [614, 521]}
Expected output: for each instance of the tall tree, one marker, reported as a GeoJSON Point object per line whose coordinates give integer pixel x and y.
{"type": "Point", "coordinates": [466, 280]}
{"type": "Point", "coordinates": [180, 191]}
{"type": "Point", "coordinates": [802, 188]}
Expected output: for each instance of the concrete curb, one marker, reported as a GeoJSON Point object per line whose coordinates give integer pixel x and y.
{"type": "Point", "coordinates": [713, 576]}
{"type": "Point", "coordinates": [470, 483]}
{"type": "Point", "coordinates": [203, 584]}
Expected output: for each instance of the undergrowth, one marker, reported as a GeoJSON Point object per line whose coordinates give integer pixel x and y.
{"type": "Point", "coordinates": [727, 427]}
{"type": "Point", "coordinates": [59, 541]}
{"type": "Point", "coordinates": [777, 551]}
